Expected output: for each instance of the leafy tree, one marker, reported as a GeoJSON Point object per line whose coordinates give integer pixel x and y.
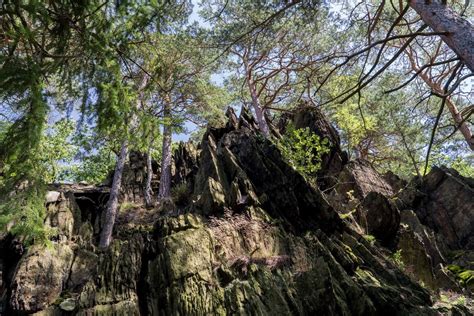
{"type": "Point", "coordinates": [303, 150]}
{"type": "Point", "coordinates": [116, 100]}
{"type": "Point", "coordinates": [268, 59]}
{"type": "Point", "coordinates": [94, 159]}
{"type": "Point", "coordinates": [24, 206]}
{"type": "Point", "coordinates": [74, 43]}
{"type": "Point", "coordinates": [56, 150]}
{"type": "Point", "coordinates": [182, 89]}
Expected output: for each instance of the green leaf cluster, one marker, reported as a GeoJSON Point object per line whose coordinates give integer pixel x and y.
{"type": "Point", "coordinates": [464, 276]}
{"type": "Point", "coordinates": [304, 150]}
{"type": "Point", "coordinates": [23, 213]}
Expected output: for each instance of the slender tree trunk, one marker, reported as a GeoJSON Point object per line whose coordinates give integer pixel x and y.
{"type": "Point", "coordinates": [165, 178]}
{"type": "Point", "coordinates": [441, 18]}
{"type": "Point", "coordinates": [112, 203]}
{"type": "Point", "coordinates": [259, 113]}
{"type": "Point", "coordinates": [149, 175]}
{"type": "Point", "coordinates": [111, 209]}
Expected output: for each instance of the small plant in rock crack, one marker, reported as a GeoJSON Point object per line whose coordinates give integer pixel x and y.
{"type": "Point", "coordinates": [371, 239]}
{"type": "Point", "coordinates": [452, 298]}
{"type": "Point", "coordinates": [181, 194]}
{"type": "Point", "coordinates": [397, 258]}
{"type": "Point", "coordinates": [303, 149]}
{"type": "Point", "coordinates": [464, 276]}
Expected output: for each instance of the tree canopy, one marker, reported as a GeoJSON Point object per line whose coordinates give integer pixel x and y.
{"type": "Point", "coordinates": [83, 83]}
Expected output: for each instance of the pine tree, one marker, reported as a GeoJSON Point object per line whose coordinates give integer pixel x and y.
{"type": "Point", "coordinates": [182, 88]}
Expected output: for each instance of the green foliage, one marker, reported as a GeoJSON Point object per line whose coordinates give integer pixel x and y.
{"type": "Point", "coordinates": [462, 164]}
{"type": "Point", "coordinates": [303, 149]}
{"type": "Point", "coordinates": [452, 298]}
{"type": "Point", "coordinates": [22, 166]}
{"type": "Point", "coordinates": [180, 194]}
{"type": "Point", "coordinates": [464, 276]}
{"type": "Point", "coordinates": [370, 238]}
{"type": "Point", "coordinates": [22, 213]}
{"type": "Point", "coordinates": [127, 206]}
{"type": "Point", "coordinates": [397, 258]}
{"type": "Point", "coordinates": [115, 99]}
{"type": "Point", "coordinates": [465, 166]}
{"type": "Point", "coordinates": [94, 159]}
{"type": "Point", "coordinates": [57, 151]}
{"type": "Point", "coordinates": [22, 207]}
{"type": "Point", "coordinates": [93, 168]}
{"type": "Point", "coordinates": [356, 130]}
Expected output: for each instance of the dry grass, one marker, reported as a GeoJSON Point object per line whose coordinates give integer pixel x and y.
{"type": "Point", "coordinates": [242, 263]}
{"type": "Point", "coordinates": [137, 215]}
{"type": "Point", "coordinates": [239, 222]}
{"type": "Point", "coordinates": [246, 241]}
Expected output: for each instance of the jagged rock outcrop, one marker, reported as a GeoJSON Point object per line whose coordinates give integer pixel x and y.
{"type": "Point", "coordinates": [255, 238]}
{"type": "Point", "coordinates": [396, 183]}
{"type": "Point", "coordinates": [241, 170]}
{"type": "Point", "coordinates": [63, 213]}
{"type": "Point", "coordinates": [420, 255]}
{"type": "Point", "coordinates": [184, 166]}
{"type": "Point", "coordinates": [438, 231]}
{"type": "Point", "coordinates": [380, 217]}
{"type": "Point", "coordinates": [430, 217]}
{"type": "Point", "coordinates": [39, 277]}
{"type": "Point", "coordinates": [134, 177]}
{"type": "Point", "coordinates": [76, 210]}
{"type": "Point", "coordinates": [360, 178]}
{"type": "Point", "coordinates": [363, 196]}
{"type": "Point", "coordinates": [443, 201]}
{"type": "Point", "coordinates": [185, 163]}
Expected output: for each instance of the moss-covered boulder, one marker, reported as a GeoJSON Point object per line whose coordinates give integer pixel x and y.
{"type": "Point", "coordinates": [40, 276]}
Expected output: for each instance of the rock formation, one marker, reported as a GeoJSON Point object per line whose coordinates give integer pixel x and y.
{"type": "Point", "coordinates": [253, 238]}
{"type": "Point", "coordinates": [445, 204]}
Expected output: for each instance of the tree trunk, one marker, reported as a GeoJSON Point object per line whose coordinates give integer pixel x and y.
{"type": "Point", "coordinates": [149, 175]}
{"type": "Point", "coordinates": [259, 113]}
{"type": "Point", "coordinates": [108, 218]}
{"type": "Point", "coordinates": [441, 18]}
{"type": "Point", "coordinates": [165, 179]}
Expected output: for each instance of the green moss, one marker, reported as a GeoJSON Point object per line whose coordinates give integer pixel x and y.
{"type": "Point", "coordinates": [454, 268]}
{"type": "Point", "coordinates": [367, 277]}
{"type": "Point", "coordinates": [350, 253]}
{"type": "Point", "coordinates": [189, 252]}
{"type": "Point", "coordinates": [467, 276]}
{"type": "Point", "coordinates": [450, 299]}
{"type": "Point", "coordinates": [371, 239]}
